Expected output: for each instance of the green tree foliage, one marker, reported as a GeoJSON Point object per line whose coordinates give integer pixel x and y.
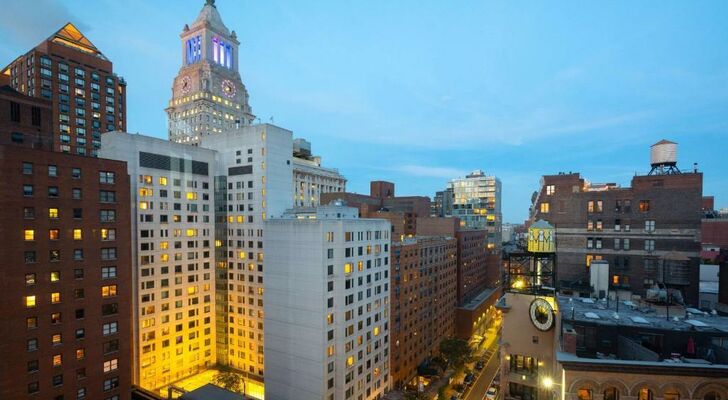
{"type": "Point", "coordinates": [455, 351]}
{"type": "Point", "coordinates": [229, 380]}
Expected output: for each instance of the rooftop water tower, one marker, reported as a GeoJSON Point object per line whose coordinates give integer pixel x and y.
{"type": "Point", "coordinates": [663, 158]}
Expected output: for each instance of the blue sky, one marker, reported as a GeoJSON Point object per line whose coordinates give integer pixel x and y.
{"type": "Point", "coordinates": [421, 92]}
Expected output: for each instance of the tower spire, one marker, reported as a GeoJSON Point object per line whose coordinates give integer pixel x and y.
{"type": "Point", "coordinates": [210, 3]}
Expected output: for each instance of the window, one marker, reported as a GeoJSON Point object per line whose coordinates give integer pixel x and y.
{"type": "Point", "coordinates": [649, 245]}
{"type": "Point", "coordinates": [163, 180]}
{"type": "Point", "coordinates": [644, 205]}
{"type": "Point", "coordinates": [108, 291]}
{"type": "Point", "coordinates": [14, 111]}
{"type": "Point", "coordinates": [52, 170]}
{"type": "Point", "coordinates": [32, 344]}
{"type": "Point", "coordinates": [33, 387]}
{"type": "Point", "coordinates": [644, 394]}
{"type": "Point", "coordinates": [111, 346]}
{"type": "Point", "coordinates": [111, 365]}
{"type": "Point", "coordinates": [30, 301]}
{"type": "Point", "coordinates": [76, 173]}
{"type": "Point", "coordinates": [545, 208]}
{"type": "Point", "coordinates": [108, 253]}
{"type": "Point", "coordinates": [29, 257]}
{"type": "Point", "coordinates": [27, 190]}
{"type": "Point", "coordinates": [54, 255]}
{"type": "Point", "coordinates": [56, 339]}
{"type": "Point", "coordinates": [108, 234]}
{"type": "Point", "coordinates": [348, 268]}
{"type": "Point", "coordinates": [106, 177]}
{"type": "Point", "coordinates": [650, 225]}
{"type": "Point", "coordinates": [106, 196]}
{"type": "Point", "coordinates": [109, 309]}
{"type": "Point", "coordinates": [53, 191]}
{"type": "Point", "coordinates": [590, 225]}
{"type": "Point", "coordinates": [589, 243]}
{"type": "Point", "coordinates": [53, 213]}
{"type": "Point", "coordinates": [53, 234]}
{"type": "Point", "coordinates": [626, 244]}
{"type": "Point", "coordinates": [111, 383]}
{"type": "Point", "coordinates": [29, 235]}
{"type": "Point", "coordinates": [108, 215]}
{"type": "Point", "coordinates": [77, 234]}
{"type": "Point", "coordinates": [599, 225]}
{"type": "Point", "coordinates": [76, 193]}
{"type": "Point", "coordinates": [590, 206]}
{"type": "Point", "coordinates": [599, 206]}
{"type": "Point", "coordinates": [27, 168]}
{"type": "Point", "coordinates": [550, 190]}
{"type": "Point", "coordinates": [55, 276]}
{"type": "Point", "coordinates": [57, 360]}
{"type": "Point", "coordinates": [55, 297]}
{"type": "Point", "coordinates": [110, 328]}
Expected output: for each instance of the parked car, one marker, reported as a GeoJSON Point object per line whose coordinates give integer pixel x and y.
{"type": "Point", "coordinates": [491, 393]}
{"type": "Point", "coordinates": [479, 365]}
{"type": "Point", "coordinates": [469, 378]}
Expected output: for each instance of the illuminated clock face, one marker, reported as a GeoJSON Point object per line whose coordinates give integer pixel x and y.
{"type": "Point", "coordinates": [186, 85]}
{"type": "Point", "coordinates": [228, 88]}
{"type": "Point", "coordinates": [542, 314]}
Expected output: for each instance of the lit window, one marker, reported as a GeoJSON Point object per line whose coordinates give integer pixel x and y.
{"type": "Point", "coordinates": [163, 180]}
{"type": "Point", "coordinates": [111, 365]}
{"type": "Point", "coordinates": [53, 213]}
{"type": "Point", "coordinates": [30, 279]}
{"type": "Point", "coordinates": [108, 234]}
{"type": "Point", "coordinates": [164, 245]}
{"type": "Point", "coordinates": [644, 205]}
{"type": "Point", "coordinates": [144, 192]}
{"type": "Point", "coordinates": [55, 276]}
{"type": "Point", "coordinates": [330, 351]}
{"type": "Point", "coordinates": [360, 266]}
{"type": "Point", "coordinates": [53, 234]}
{"type": "Point", "coordinates": [57, 360]}
{"type": "Point", "coordinates": [77, 234]}
{"type": "Point", "coordinates": [550, 189]}
{"type": "Point", "coordinates": [164, 257]}
{"type": "Point", "coordinates": [55, 297]}
{"type": "Point", "coordinates": [147, 179]}
{"type": "Point", "coordinates": [545, 208]}
{"type": "Point", "coordinates": [350, 361]}
{"type": "Point", "coordinates": [330, 318]}
{"type": "Point", "coordinates": [56, 339]}
{"type": "Point", "coordinates": [191, 195]}
{"type": "Point", "coordinates": [615, 280]}
{"type": "Point", "coordinates": [29, 301]}
{"type": "Point", "coordinates": [29, 234]}
{"type": "Point", "coordinates": [347, 268]}
{"type": "Point", "coordinates": [80, 354]}
{"type": "Point", "coordinates": [108, 291]}
{"type": "Point", "coordinates": [143, 205]}
{"type": "Point", "coordinates": [191, 232]}
{"type": "Point", "coordinates": [376, 331]}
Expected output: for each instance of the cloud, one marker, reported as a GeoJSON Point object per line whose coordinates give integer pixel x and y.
{"type": "Point", "coordinates": [28, 26]}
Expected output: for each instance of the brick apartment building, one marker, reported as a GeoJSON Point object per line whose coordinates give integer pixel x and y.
{"type": "Point", "coordinates": [423, 301]}
{"type": "Point", "coordinates": [86, 96]}
{"type": "Point", "coordinates": [66, 290]}
{"type": "Point", "coordinates": [649, 232]}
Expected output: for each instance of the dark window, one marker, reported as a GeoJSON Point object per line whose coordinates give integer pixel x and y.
{"type": "Point", "coordinates": [53, 191]}
{"type": "Point", "coordinates": [14, 111]}
{"type": "Point", "coordinates": [16, 137]}
{"type": "Point", "coordinates": [36, 116]}
{"type": "Point", "coordinates": [109, 309]}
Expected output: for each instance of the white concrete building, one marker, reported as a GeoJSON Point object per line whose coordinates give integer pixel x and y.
{"type": "Point", "coordinates": [327, 305]}
{"type": "Point", "coordinates": [253, 182]}
{"type": "Point", "coordinates": [310, 179]}
{"type": "Point", "coordinates": [172, 247]}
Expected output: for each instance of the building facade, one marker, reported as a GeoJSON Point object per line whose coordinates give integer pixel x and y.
{"type": "Point", "coordinates": [66, 302]}
{"type": "Point", "coordinates": [423, 282]}
{"type": "Point", "coordinates": [86, 96]}
{"type": "Point", "coordinates": [635, 229]}
{"type": "Point", "coordinates": [173, 237]}
{"type": "Point", "coordinates": [208, 94]}
{"type": "Point", "coordinates": [327, 297]}
{"type": "Point", "coordinates": [476, 201]}
{"type": "Point", "coordinates": [310, 179]}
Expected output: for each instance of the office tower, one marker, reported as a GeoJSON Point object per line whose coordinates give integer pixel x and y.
{"type": "Point", "coordinates": [173, 235]}
{"type": "Point", "coordinates": [327, 305]}
{"type": "Point", "coordinates": [208, 95]}
{"type": "Point", "coordinates": [442, 203]}
{"type": "Point", "coordinates": [476, 200]}
{"type": "Point", "coordinates": [648, 232]}
{"type": "Point", "coordinates": [87, 97]}
{"type": "Point", "coordinates": [424, 301]}
{"type": "Point", "coordinates": [66, 298]}
{"type": "Point", "coordinates": [310, 179]}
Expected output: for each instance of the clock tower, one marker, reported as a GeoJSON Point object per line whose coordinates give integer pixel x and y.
{"type": "Point", "coordinates": [208, 95]}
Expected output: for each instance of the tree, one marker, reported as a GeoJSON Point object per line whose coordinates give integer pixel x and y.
{"type": "Point", "coordinates": [230, 381]}
{"type": "Point", "coordinates": [455, 351]}
{"type": "Point", "coordinates": [415, 396]}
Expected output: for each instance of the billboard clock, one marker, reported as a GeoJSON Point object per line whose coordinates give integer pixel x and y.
{"type": "Point", "coordinates": [542, 314]}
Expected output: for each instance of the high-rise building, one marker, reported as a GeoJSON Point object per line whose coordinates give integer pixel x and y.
{"type": "Point", "coordinates": [648, 233]}
{"type": "Point", "coordinates": [87, 97]}
{"type": "Point", "coordinates": [476, 201]}
{"type": "Point", "coordinates": [173, 239]}
{"type": "Point", "coordinates": [208, 94]}
{"type": "Point", "coordinates": [66, 297]}
{"type": "Point", "coordinates": [424, 288]}
{"type": "Point", "coordinates": [327, 297]}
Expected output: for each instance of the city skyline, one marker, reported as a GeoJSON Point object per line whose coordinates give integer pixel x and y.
{"type": "Point", "coordinates": [537, 96]}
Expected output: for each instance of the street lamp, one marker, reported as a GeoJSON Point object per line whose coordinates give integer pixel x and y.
{"type": "Point", "coordinates": [548, 383]}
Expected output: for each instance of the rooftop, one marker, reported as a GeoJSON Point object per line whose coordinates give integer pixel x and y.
{"type": "Point", "coordinates": [640, 314]}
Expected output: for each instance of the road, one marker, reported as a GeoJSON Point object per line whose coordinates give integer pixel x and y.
{"type": "Point", "coordinates": [477, 390]}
